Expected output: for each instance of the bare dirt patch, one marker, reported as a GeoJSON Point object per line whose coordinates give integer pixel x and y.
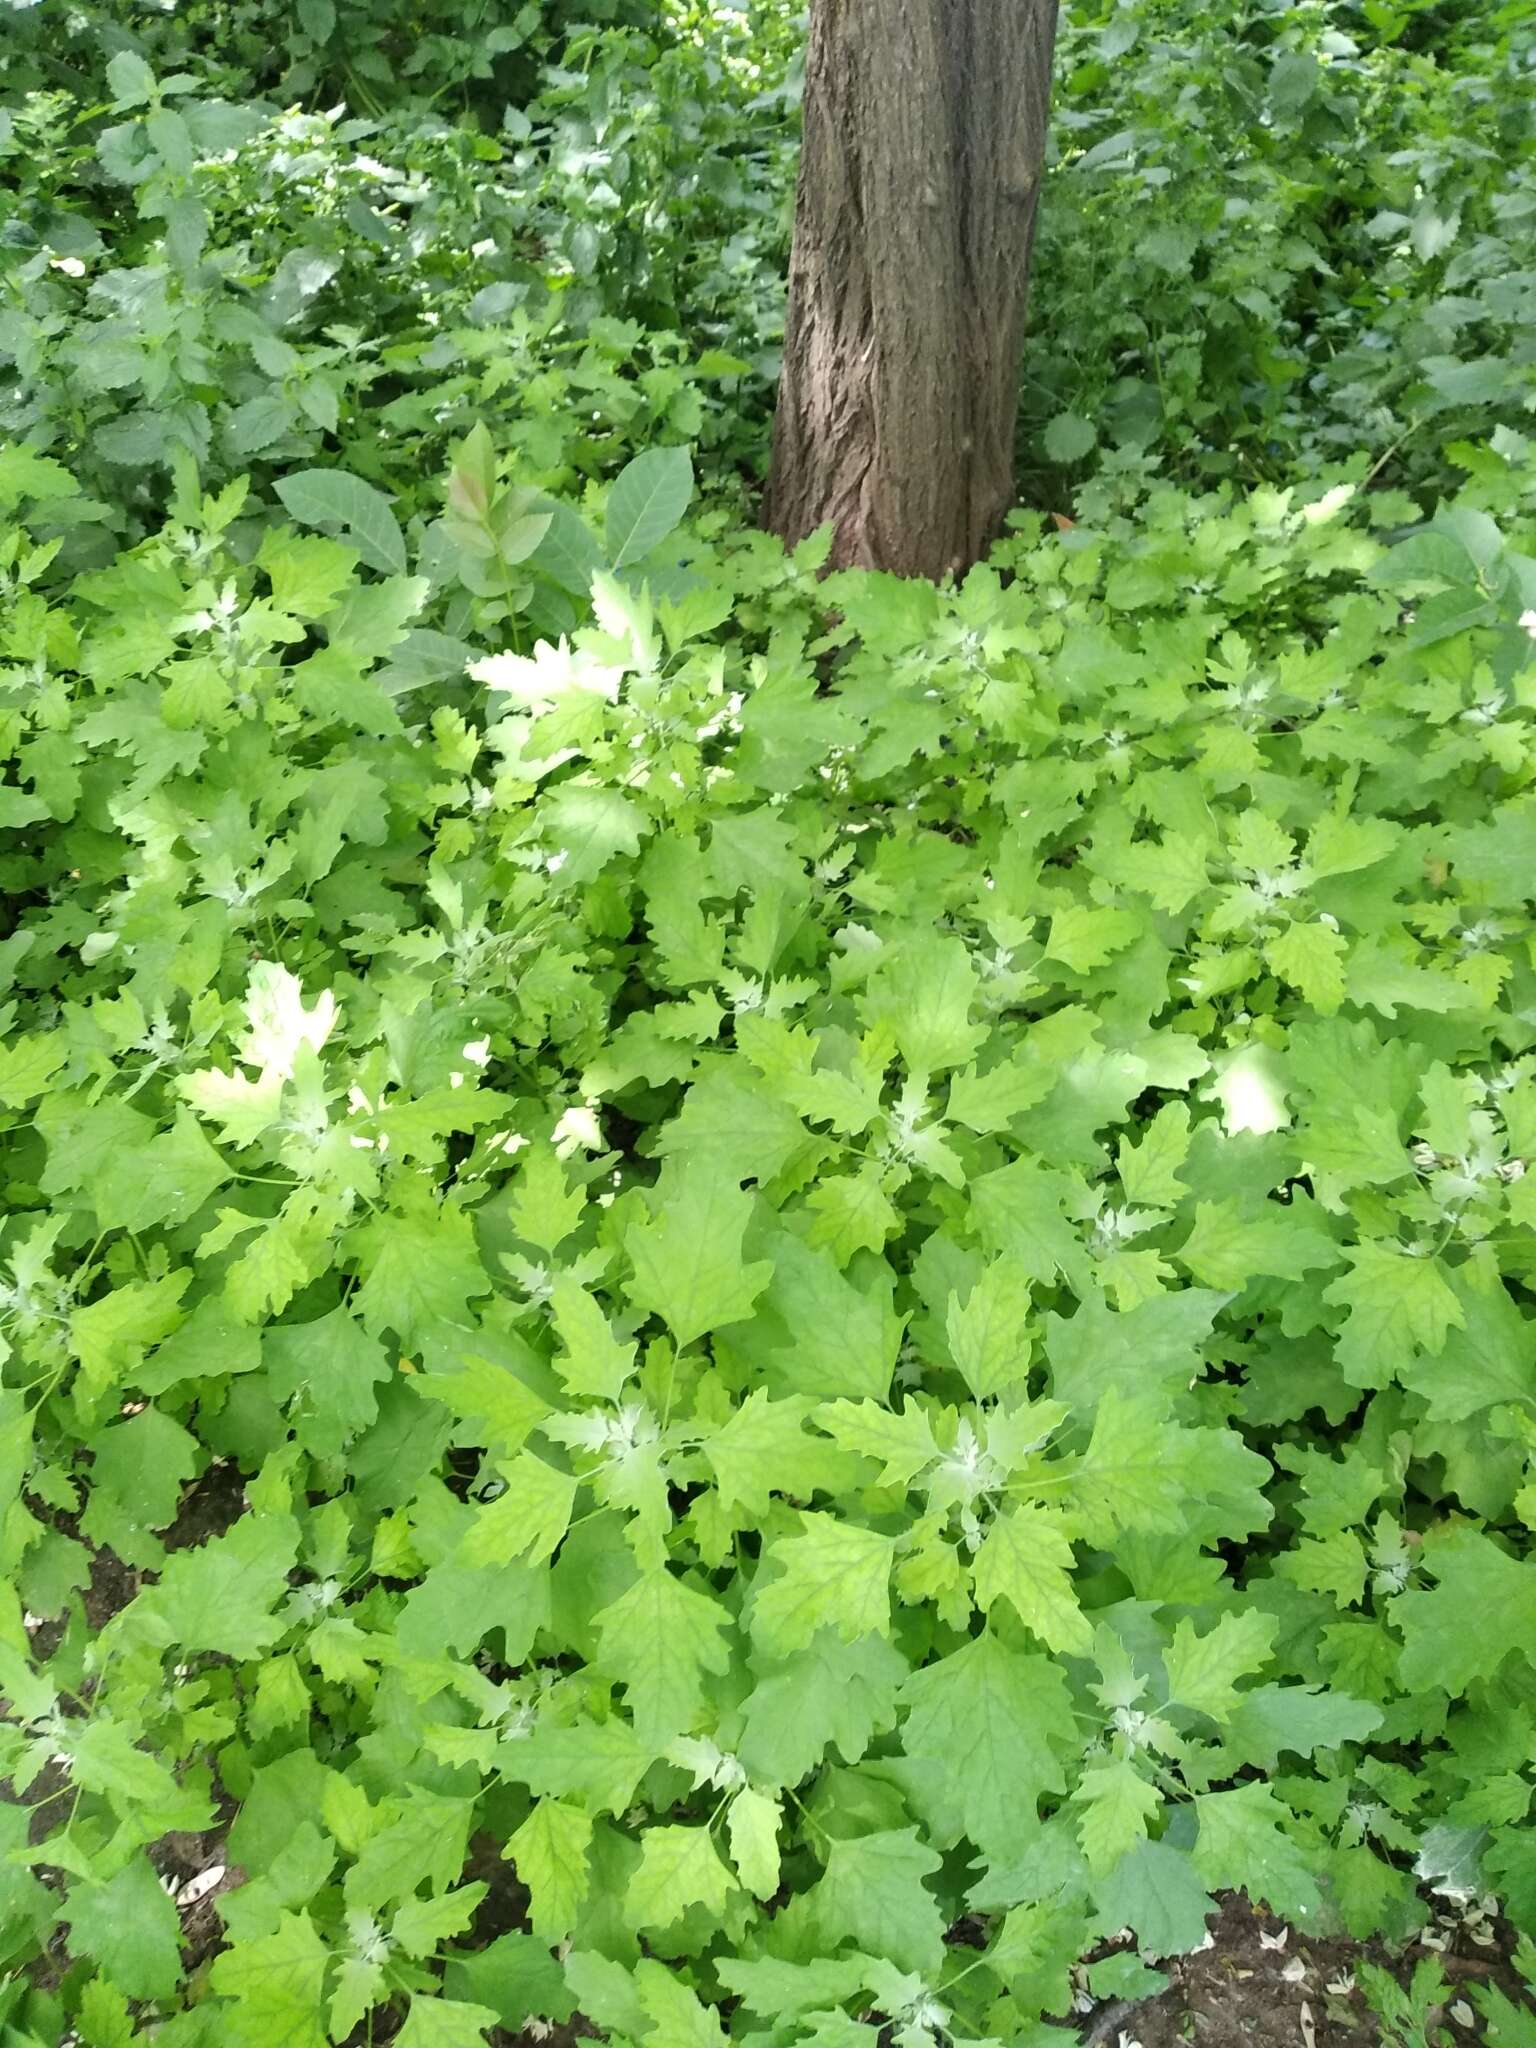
{"type": "Point", "coordinates": [1263, 1984]}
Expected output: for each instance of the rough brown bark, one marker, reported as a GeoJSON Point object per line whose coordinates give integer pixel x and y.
{"type": "Point", "coordinates": [925, 130]}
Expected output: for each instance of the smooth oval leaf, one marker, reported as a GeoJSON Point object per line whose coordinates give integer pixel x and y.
{"type": "Point", "coordinates": [567, 553]}
{"type": "Point", "coordinates": [648, 499]}
{"type": "Point", "coordinates": [330, 497]}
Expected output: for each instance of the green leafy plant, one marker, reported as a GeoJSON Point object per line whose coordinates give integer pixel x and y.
{"type": "Point", "coordinates": [1508, 2025]}
{"type": "Point", "coordinates": [736, 1303]}
{"type": "Point", "coordinates": [1226, 284]}
{"type": "Point", "coordinates": [753, 1246]}
{"type": "Point", "coordinates": [1411, 2015]}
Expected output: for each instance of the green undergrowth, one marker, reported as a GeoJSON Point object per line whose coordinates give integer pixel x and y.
{"type": "Point", "coordinates": [749, 1321]}
{"type": "Point", "coordinates": [1276, 242]}
{"type": "Point", "coordinates": [1277, 238]}
{"type": "Point", "coordinates": [735, 1305]}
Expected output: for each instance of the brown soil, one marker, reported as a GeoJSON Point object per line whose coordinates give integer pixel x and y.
{"type": "Point", "coordinates": [193, 1870]}
{"type": "Point", "coordinates": [209, 1506]}
{"type": "Point", "coordinates": [1261, 1984]}
{"type": "Point", "coordinates": [505, 1905]}
{"type": "Point", "coordinates": [1237, 1993]}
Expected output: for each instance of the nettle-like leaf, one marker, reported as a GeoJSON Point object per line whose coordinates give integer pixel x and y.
{"type": "Point", "coordinates": [549, 1851]}
{"type": "Point", "coordinates": [220, 1596]}
{"type": "Point", "coordinates": [1243, 1830]}
{"type": "Point", "coordinates": [658, 1639]}
{"type": "Point", "coordinates": [1203, 1670]}
{"type": "Point", "coordinates": [687, 1260]}
{"type": "Point", "coordinates": [1026, 1559]}
{"type": "Point", "coordinates": [1008, 1712]}
{"type": "Point", "coordinates": [832, 1574]}
{"type": "Point", "coordinates": [873, 1894]}
{"type": "Point", "coordinates": [1117, 1803]}
{"type": "Point", "coordinates": [678, 1869]}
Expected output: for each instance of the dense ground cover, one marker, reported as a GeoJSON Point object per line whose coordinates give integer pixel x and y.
{"type": "Point", "coordinates": [743, 1303]}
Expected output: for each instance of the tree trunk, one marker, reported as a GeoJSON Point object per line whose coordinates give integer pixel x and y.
{"type": "Point", "coordinates": [924, 138]}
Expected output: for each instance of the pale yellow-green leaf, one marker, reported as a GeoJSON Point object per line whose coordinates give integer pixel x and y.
{"type": "Point", "coordinates": [1085, 936]}
{"type": "Point", "coordinates": [682, 2019]}
{"type": "Point", "coordinates": [1232, 1243]}
{"type": "Point", "coordinates": [543, 1209]}
{"type": "Point", "coordinates": [988, 1337]}
{"type": "Point", "coordinates": [658, 1639]}
{"type": "Point", "coordinates": [1149, 1172]}
{"type": "Point", "coordinates": [761, 1449]}
{"type": "Point", "coordinates": [241, 1106]}
{"type": "Point", "coordinates": [1241, 1840]}
{"type": "Point", "coordinates": [1203, 1670]}
{"type": "Point", "coordinates": [1171, 871]}
{"type": "Point", "coordinates": [593, 1363]}
{"type": "Point", "coordinates": [278, 1261]}
{"type": "Point", "coordinates": [1395, 1300]}
{"type": "Point", "coordinates": [832, 1575]}
{"type": "Point", "coordinates": [503, 1408]}
{"type": "Point", "coordinates": [1311, 956]}
{"type": "Point", "coordinates": [1334, 1563]}
{"type": "Point", "coordinates": [1025, 1559]}
{"type": "Point", "coordinates": [989, 1102]}
{"type": "Point", "coordinates": [1117, 1803]}
{"type": "Point", "coordinates": [1341, 845]}
{"type": "Point", "coordinates": [527, 1520]}
{"type": "Point", "coordinates": [687, 1260]}
{"type": "Point", "coordinates": [852, 1213]}
{"type": "Point", "coordinates": [753, 1827]}
{"type": "Point", "coordinates": [549, 1853]}
{"type": "Point", "coordinates": [27, 1063]}
{"type": "Point", "coordinates": [1126, 1481]}
{"type": "Point", "coordinates": [902, 1444]}
{"type": "Point", "coordinates": [111, 1335]}
{"type": "Point", "coordinates": [678, 1868]}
